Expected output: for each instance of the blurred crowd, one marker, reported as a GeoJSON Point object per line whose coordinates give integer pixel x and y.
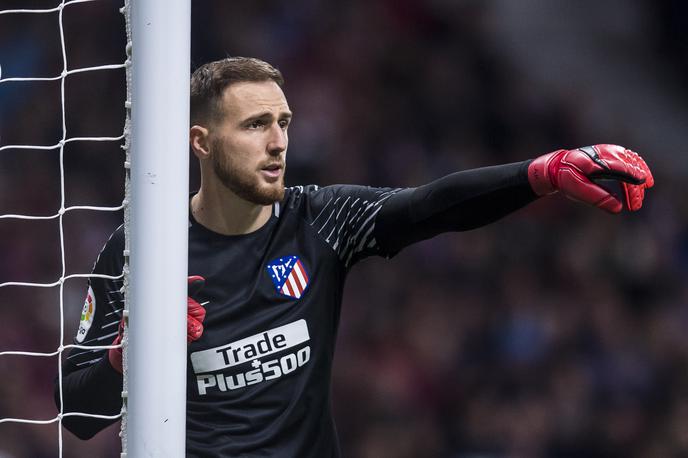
{"type": "Point", "coordinates": [559, 331]}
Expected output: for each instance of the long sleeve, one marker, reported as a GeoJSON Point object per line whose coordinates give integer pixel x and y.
{"type": "Point", "coordinates": [457, 202]}
{"type": "Point", "coordinates": [95, 389]}
{"type": "Point", "coordinates": [89, 383]}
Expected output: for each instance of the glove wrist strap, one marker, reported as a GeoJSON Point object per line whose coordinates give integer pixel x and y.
{"type": "Point", "coordinates": [539, 174]}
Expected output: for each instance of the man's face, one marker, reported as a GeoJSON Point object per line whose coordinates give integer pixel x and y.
{"type": "Point", "coordinates": [248, 143]}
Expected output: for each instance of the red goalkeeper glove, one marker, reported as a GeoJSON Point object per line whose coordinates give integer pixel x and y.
{"type": "Point", "coordinates": [194, 322]}
{"type": "Point", "coordinates": [195, 311]}
{"type": "Point", "coordinates": [573, 173]}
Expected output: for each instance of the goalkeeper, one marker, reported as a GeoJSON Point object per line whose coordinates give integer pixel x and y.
{"type": "Point", "coordinates": [268, 263]}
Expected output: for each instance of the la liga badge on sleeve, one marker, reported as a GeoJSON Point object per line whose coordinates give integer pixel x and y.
{"type": "Point", "coordinates": [87, 314]}
{"type": "Point", "coordinates": [289, 276]}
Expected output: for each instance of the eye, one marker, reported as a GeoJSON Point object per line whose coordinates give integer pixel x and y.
{"type": "Point", "coordinates": [284, 123]}
{"type": "Point", "coordinates": [257, 124]}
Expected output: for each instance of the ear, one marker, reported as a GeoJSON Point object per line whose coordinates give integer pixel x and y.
{"type": "Point", "coordinates": [200, 143]}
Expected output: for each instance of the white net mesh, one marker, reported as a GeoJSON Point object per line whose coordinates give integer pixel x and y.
{"type": "Point", "coordinates": [59, 213]}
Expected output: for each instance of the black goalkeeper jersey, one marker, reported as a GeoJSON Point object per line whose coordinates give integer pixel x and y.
{"type": "Point", "coordinates": [258, 379]}
{"type": "Point", "coordinates": [259, 376]}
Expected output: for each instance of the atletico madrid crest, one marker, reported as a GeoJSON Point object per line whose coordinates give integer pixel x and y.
{"type": "Point", "coordinates": [288, 275]}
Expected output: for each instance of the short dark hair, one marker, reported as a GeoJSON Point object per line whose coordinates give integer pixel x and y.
{"type": "Point", "coordinates": [210, 80]}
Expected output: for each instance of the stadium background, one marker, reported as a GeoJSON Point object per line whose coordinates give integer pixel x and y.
{"type": "Point", "coordinates": [560, 331]}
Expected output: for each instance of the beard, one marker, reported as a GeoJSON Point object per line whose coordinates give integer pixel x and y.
{"type": "Point", "coordinates": [245, 184]}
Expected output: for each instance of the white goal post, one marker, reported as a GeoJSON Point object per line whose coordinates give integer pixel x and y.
{"type": "Point", "coordinates": [154, 421]}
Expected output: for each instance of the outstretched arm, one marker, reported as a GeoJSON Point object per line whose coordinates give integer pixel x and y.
{"type": "Point", "coordinates": [458, 202]}
{"type": "Point", "coordinates": [473, 198]}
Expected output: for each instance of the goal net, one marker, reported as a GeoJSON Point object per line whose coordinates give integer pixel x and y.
{"type": "Point", "coordinates": [153, 125]}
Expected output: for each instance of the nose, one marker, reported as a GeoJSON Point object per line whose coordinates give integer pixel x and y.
{"type": "Point", "coordinates": [278, 141]}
